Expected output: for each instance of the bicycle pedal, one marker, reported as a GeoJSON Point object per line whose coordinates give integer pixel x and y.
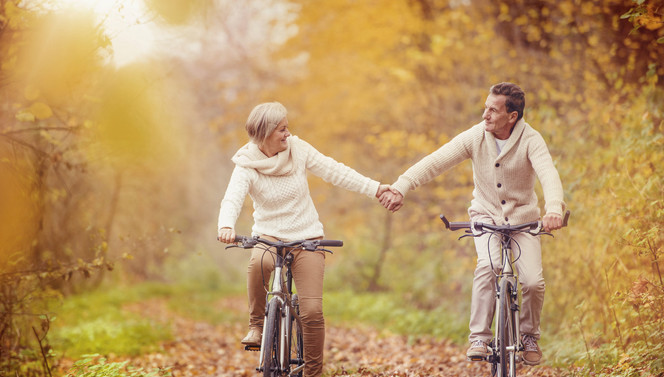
{"type": "Point", "coordinates": [252, 348]}
{"type": "Point", "coordinates": [476, 358]}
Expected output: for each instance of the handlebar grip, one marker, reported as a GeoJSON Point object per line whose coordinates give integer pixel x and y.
{"type": "Point", "coordinates": [460, 225]}
{"type": "Point", "coordinates": [239, 238]}
{"type": "Point", "coordinates": [455, 225]}
{"type": "Point", "coordinates": [445, 221]}
{"type": "Point", "coordinates": [565, 218]}
{"type": "Point", "coordinates": [331, 243]}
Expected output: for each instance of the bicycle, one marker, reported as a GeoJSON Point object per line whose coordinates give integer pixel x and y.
{"type": "Point", "coordinates": [506, 345]}
{"type": "Point", "coordinates": [282, 346]}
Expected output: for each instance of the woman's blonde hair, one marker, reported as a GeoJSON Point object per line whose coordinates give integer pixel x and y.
{"type": "Point", "coordinates": [263, 119]}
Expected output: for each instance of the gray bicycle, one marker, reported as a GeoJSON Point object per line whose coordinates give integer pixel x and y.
{"type": "Point", "coordinates": [282, 346]}
{"type": "Point", "coordinates": [506, 346]}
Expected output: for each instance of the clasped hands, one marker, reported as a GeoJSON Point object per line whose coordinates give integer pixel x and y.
{"type": "Point", "coordinates": [390, 198]}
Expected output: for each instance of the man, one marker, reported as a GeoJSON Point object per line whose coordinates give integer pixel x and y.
{"type": "Point", "coordinates": [507, 155]}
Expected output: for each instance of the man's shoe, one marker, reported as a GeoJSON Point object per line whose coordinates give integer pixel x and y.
{"type": "Point", "coordinates": [253, 338]}
{"type": "Point", "coordinates": [532, 354]}
{"type": "Point", "coordinates": [477, 351]}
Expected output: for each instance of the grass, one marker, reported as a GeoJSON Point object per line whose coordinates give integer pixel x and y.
{"type": "Point", "coordinates": [97, 323]}
{"type": "Point", "coordinates": [390, 312]}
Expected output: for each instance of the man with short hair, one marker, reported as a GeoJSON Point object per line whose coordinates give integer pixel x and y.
{"type": "Point", "coordinates": [507, 155]}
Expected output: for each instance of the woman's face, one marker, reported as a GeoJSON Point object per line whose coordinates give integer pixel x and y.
{"type": "Point", "coordinates": [276, 142]}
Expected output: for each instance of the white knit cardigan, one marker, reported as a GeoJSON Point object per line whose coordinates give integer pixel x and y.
{"type": "Point", "coordinates": [278, 187]}
{"type": "Point", "coordinates": [505, 182]}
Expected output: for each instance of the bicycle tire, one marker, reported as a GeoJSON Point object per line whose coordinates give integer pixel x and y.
{"type": "Point", "coordinates": [297, 341]}
{"type": "Point", "coordinates": [506, 332]}
{"type": "Point", "coordinates": [271, 367]}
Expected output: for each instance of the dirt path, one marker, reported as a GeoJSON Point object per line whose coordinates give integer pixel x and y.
{"type": "Point", "coordinates": [201, 349]}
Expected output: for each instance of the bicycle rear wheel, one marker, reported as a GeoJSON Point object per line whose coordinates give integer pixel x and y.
{"type": "Point", "coordinates": [506, 331]}
{"type": "Point", "coordinates": [271, 367]}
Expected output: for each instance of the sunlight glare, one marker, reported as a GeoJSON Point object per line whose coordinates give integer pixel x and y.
{"type": "Point", "coordinates": [126, 23]}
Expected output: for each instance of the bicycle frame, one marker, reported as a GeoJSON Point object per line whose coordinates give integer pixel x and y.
{"type": "Point", "coordinates": [284, 298]}
{"type": "Point", "coordinates": [507, 273]}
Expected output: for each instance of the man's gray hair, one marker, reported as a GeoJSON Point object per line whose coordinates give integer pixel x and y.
{"type": "Point", "coordinates": [263, 119]}
{"type": "Point", "coordinates": [516, 98]}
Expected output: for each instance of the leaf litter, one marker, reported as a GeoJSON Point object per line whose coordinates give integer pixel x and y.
{"type": "Point", "coordinates": [203, 349]}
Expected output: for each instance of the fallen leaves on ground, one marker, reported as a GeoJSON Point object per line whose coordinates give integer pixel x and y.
{"type": "Point", "coordinates": [202, 349]}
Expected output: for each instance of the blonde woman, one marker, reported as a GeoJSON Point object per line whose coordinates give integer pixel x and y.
{"type": "Point", "coordinates": [272, 168]}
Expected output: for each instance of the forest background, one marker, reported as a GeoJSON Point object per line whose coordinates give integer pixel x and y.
{"type": "Point", "coordinates": [111, 171]}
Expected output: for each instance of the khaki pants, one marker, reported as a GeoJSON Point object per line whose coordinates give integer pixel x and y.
{"type": "Point", "coordinates": [308, 269]}
{"type": "Point", "coordinates": [529, 269]}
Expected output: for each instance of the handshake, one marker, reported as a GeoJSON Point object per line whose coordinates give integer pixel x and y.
{"type": "Point", "coordinates": [390, 198]}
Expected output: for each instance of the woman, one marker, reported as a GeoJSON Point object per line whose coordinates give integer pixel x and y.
{"type": "Point", "coordinates": [272, 169]}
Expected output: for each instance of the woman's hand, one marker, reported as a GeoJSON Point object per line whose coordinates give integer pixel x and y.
{"type": "Point", "coordinates": [381, 190]}
{"type": "Point", "coordinates": [226, 235]}
{"type": "Point", "coordinates": [391, 199]}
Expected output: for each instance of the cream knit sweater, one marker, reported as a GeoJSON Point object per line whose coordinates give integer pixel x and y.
{"type": "Point", "coordinates": [278, 187]}
{"type": "Point", "coordinates": [505, 182]}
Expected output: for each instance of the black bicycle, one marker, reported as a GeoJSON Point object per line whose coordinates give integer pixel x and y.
{"type": "Point", "coordinates": [506, 345]}
{"type": "Point", "coordinates": [282, 347]}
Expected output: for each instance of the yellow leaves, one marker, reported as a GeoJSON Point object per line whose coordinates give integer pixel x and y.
{"type": "Point", "coordinates": [31, 93]}
{"type": "Point", "coordinates": [40, 110]}
{"type": "Point", "coordinates": [57, 54]}
{"type": "Point", "coordinates": [135, 123]}
{"type": "Point", "coordinates": [593, 40]}
{"type": "Point", "coordinates": [178, 11]}
{"type": "Point", "coordinates": [650, 21]}
{"type": "Point", "coordinates": [13, 15]}
{"type": "Point", "coordinates": [521, 20]}
{"type": "Point", "coordinates": [402, 74]}
{"type": "Point", "coordinates": [36, 111]}
{"type": "Point", "coordinates": [18, 214]}
{"type": "Point", "coordinates": [401, 144]}
{"type": "Point", "coordinates": [504, 15]}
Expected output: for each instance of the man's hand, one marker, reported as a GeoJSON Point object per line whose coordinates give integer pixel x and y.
{"type": "Point", "coordinates": [391, 199]}
{"type": "Point", "coordinates": [552, 221]}
{"type": "Point", "coordinates": [381, 190]}
{"type": "Point", "coordinates": [226, 235]}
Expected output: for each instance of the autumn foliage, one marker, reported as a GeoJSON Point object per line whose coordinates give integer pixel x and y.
{"type": "Point", "coordinates": [106, 167]}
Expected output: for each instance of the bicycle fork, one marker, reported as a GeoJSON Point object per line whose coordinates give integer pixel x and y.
{"type": "Point", "coordinates": [277, 293]}
{"type": "Point", "coordinates": [507, 272]}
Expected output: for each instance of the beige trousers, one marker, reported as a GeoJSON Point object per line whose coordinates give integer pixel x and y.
{"type": "Point", "coordinates": [529, 269]}
{"type": "Point", "coordinates": [308, 269]}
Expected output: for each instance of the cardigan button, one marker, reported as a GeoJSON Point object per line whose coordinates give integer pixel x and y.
{"type": "Point", "coordinates": [506, 219]}
{"type": "Point", "coordinates": [497, 164]}
{"type": "Point", "coordinates": [500, 185]}
{"type": "Point", "coordinates": [502, 202]}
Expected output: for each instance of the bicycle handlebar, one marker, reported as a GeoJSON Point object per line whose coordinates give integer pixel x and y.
{"type": "Point", "coordinates": [531, 226]}
{"type": "Point", "coordinates": [310, 245]}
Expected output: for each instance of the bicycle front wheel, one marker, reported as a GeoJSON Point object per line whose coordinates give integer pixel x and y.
{"type": "Point", "coordinates": [506, 331]}
{"type": "Point", "coordinates": [296, 342]}
{"type": "Point", "coordinates": [271, 367]}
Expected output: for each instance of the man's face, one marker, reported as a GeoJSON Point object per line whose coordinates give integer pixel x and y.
{"type": "Point", "coordinates": [496, 118]}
